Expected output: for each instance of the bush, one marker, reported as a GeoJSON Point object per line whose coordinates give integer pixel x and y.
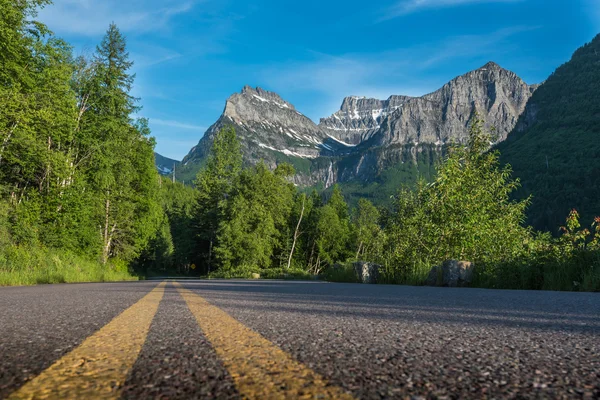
{"type": "Point", "coordinates": [245, 272]}
{"type": "Point", "coordinates": [341, 273]}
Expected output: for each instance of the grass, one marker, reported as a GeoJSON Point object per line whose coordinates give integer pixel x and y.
{"type": "Point", "coordinates": [245, 272]}
{"type": "Point", "coordinates": [24, 266]}
{"type": "Point", "coordinates": [341, 273]}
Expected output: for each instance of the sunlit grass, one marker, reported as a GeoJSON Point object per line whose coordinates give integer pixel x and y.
{"type": "Point", "coordinates": [23, 266]}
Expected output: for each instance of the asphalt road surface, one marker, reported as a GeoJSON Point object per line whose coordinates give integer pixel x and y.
{"type": "Point", "coordinates": [273, 339]}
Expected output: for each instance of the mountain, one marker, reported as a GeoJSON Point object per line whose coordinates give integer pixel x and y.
{"type": "Point", "coordinates": [165, 165]}
{"type": "Point", "coordinates": [269, 129]}
{"type": "Point", "coordinates": [555, 146]}
{"type": "Point", "coordinates": [369, 144]}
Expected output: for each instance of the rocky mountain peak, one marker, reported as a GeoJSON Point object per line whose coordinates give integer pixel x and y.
{"type": "Point", "coordinates": [359, 117]}
{"type": "Point", "coordinates": [496, 94]}
{"type": "Point", "coordinates": [264, 96]}
{"type": "Point", "coordinates": [491, 65]}
{"type": "Point", "coordinates": [259, 105]}
{"type": "Point", "coordinates": [366, 134]}
{"type": "Point", "coordinates": [490, 72]}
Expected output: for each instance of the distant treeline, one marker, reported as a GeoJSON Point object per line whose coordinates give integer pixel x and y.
{"type": "Point", "coordinates": [237, 221]}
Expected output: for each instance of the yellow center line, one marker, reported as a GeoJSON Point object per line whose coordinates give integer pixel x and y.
{"type": "Point", "coordinates": [260, 369]}
{"type": "Point", "coordinates": [99, 366]}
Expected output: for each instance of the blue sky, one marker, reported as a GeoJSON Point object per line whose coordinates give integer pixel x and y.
{"type": "Point", "coordinates": [191, 55]}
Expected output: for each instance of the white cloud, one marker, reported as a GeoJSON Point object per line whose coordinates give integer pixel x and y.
{"type": "Point", "coordinates": [468, 45]}
{"type": "Point", "coordinates": [405, 7]}
{"type": "Point", "coordinates": [176, 124]}
{"type": "Point", "coordinates": [92, 17]}
{"type": "Point", "coordinates": [382, 74]}
{"type": "Point", "coordinates": [146, 55]}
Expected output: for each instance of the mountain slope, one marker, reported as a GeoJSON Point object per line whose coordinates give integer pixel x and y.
{"type": "Point", "coordinates": [367, 138]}
{"type": "Point", "coordinates": [165, 165]}
{"type": "Point", "coordinates": [270, 129]}
{"type": "Point", "coordinates": [409, 141]}
{"type": "Point", "coordinates": [497, 95]}
{"type": "Point", "coordinates": [360, 117]}
{"type": "Point", "coordinates": [555, 147]}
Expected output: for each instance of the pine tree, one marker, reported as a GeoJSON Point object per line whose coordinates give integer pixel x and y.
{"type": "Point", "coordinates": [214, 184]}
{"type": "Point", "coordinates": [120, 165]}
{"type": "Point", "coordinates": [253, 229]}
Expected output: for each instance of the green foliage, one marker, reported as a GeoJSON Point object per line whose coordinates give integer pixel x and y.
{"type": "Point", "coordinates": [25, 265]}
{"type": "Point", "coordinates": [368, 235]}
{"type": "Point", "coordinates": [341, 273]}
{"type": "Point", "coordinates": [77, 173]}
{"type": "Point", "coordinates": [556, 150]}
{"type": "Point", "coordinates": [256, 218]}
{"type": "Point", "coordinates": [465, 213]}
{"type": "Point", "coordinates": [214, 184]}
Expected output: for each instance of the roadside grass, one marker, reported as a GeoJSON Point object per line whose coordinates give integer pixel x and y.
{"type": "Point", "coordinates": [246, 272]}
{"type": "Point", "coordinates": [24, 266]}
{"type": "Point", "coordinates": [343, 273]}
{"type": "Point", "coordinates": [579, 272]}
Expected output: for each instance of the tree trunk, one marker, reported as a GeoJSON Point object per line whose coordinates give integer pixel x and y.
{"type": "Point", "coordinates": [6, 139]}
{"type": "Point", "coordinates": [296, 233]}
{"type": "Point", "coordinates": [312, 252]}
{"type": "Point", "coordinates": [358, 251]}
{"type": "Point", "coordinates": [209, 254]}
{"type": "Point", "coordinates": [107, 236]}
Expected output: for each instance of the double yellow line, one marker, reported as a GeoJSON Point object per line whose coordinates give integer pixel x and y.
{"type": "Point", "coordinates": [99, 367]}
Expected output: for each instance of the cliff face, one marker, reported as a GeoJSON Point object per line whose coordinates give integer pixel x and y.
{"type": "Point", "coordinates": [270, 129]}
{"type": "Point", "coordinates": [498, 96]}
{"type": "Point", "coordinates": [360, 117]}
{"type": "Point", "coordinates": [367, 136]}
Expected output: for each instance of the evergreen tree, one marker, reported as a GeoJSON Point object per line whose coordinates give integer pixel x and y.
{"type": "Point", "coordinates": [254, 228]}
{"type": "Point", "coordinates": [214, 184]}
{"type": "Point", "coordinates": [121, 158]}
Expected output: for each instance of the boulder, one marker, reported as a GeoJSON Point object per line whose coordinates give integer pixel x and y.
{"type": "Point", "coordinates": [255, 275]}
{"type": "Point", "coordinates": [366, 272]}
{"type": "Point", "coordinates": [453, 274]}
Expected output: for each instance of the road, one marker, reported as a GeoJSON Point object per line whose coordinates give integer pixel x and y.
{"type": "Point", "coordinates": [285, 339]}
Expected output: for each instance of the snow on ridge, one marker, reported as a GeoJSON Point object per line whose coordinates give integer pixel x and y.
{"type": "Point", "coordinates": [339, 141]}
{"type": "Point", "coordinates": [335, 128]}
{"type": "Point", "coordinates": [267, 147]}
{"type": "Point", "coordinates": [280, 105]}
{"type": "Point", "coordinates": [286, 151]}
{"type": "Point", "coordinates": [260, 98]}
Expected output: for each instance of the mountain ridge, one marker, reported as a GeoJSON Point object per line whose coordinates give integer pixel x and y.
{"type": "Point", "coordinates": [349, 144]}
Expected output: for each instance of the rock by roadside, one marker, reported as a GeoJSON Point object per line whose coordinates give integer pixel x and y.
{"type": "Point", "coordinates": [452, 273]}
{"type": "Point", "coordinates": [366, 272]}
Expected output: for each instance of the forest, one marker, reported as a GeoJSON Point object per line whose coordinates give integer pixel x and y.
{"type": "Point", "coordinates": [81, 199]}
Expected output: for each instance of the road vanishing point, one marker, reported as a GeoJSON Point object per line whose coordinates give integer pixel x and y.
{"type": "Point", "coordinates": [289, 339]}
